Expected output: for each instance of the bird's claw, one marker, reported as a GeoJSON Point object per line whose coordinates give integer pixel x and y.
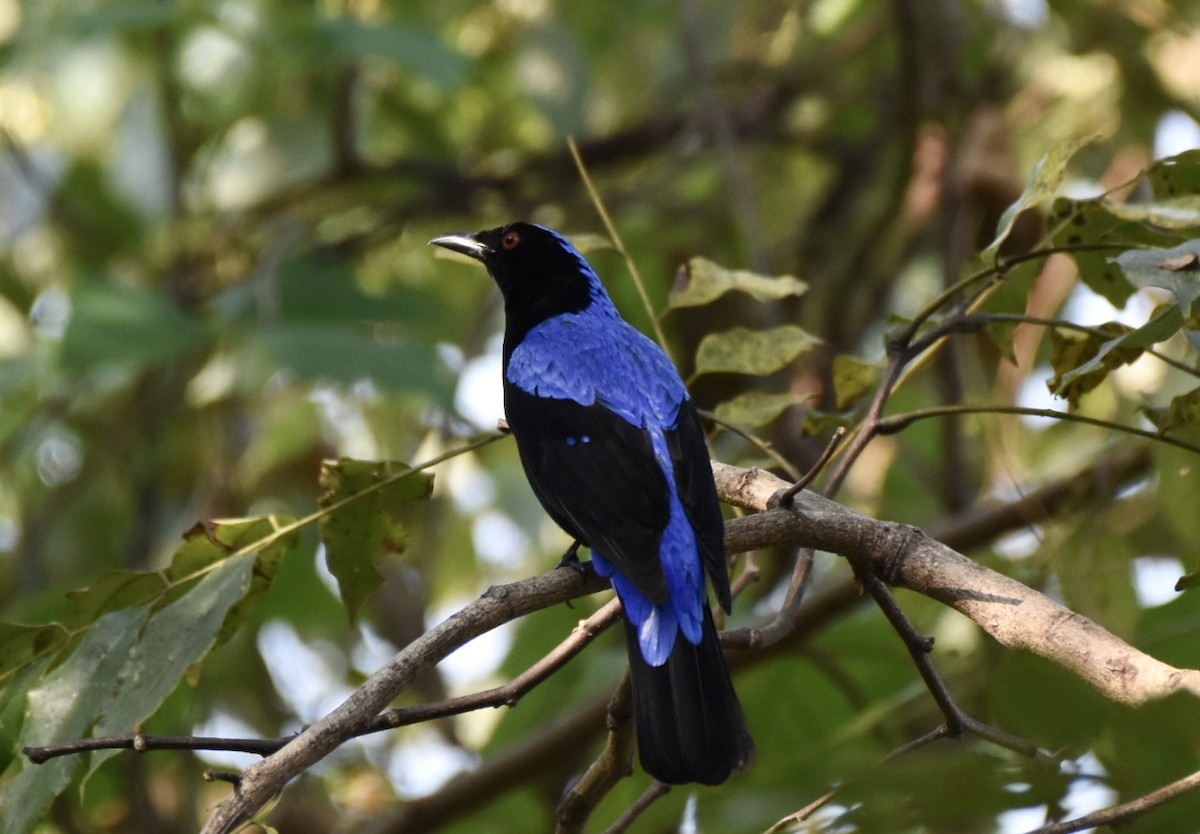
{"type": "Point", "coordinates": [570, 559]}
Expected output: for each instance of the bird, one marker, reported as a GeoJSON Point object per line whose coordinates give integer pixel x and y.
{"type": "Point", "coordinates": [613, 447]}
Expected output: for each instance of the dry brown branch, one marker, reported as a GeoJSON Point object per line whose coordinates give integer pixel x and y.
{"type": "Point", "coordinates": [614, 764]}
{"type": "Point", "coordinates": [498, 605]}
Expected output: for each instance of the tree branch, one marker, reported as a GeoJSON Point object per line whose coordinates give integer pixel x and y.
{"type": "Point", "coordinates": [498, 605]}
{"type": "Point", "coordinates": [1126, 811]}
{"type": "Point", "coordinates": [1013, 614]}
{"type": "Point", "coordinates": [614, 764]}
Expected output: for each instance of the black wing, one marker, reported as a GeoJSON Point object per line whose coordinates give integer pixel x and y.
{"type": "Point", "coordinates": [698, 494]}
{"type": "Point", "coordinates": [608, 491]}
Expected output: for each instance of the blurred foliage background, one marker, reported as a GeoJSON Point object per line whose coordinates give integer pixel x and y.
{"type": "Point", "coordinates": [213, 276]}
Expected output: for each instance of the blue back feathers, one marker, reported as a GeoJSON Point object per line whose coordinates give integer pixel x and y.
{"type": "Point", "coordinates": [594, 357]}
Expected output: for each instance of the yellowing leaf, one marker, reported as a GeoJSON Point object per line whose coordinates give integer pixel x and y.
{"type": "Point", "coordinates": [852, 378]}
{"type": "Point", "coordinates": [1184, 410]}
{"type": "Point", "coordinates": [358, 534]}
{"type": "Point", "coordinates": [1044, 180]}
{"type": "Point", "coordinates": [701, 282]}
{"type": "Point", "coordinates": [1081, 361]}
{"type": "Point", "coordinates": [757, 352]}
{"type": "Point", "coordinates": [757, 408]}
{"type": "Point", "coordinates": [1176, 213]}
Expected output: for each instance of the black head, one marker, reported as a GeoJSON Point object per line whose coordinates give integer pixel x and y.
{"type": "Point", "coordinates": [538, 271]}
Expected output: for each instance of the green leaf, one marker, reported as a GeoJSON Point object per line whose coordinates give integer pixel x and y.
{"type": "Point", "coordinates": [359, 534]}
{"type": "Point", "coordinates": [852, 379]}
{"type": "Point", "coordinates": [209, 542]}
{"type": "Point", "coordinates": [112, 592]}
{"type": "Point", "coordinates": [205, 545]}
{"type": "Point", "coordinates": [1178, 475]}
{"type": "Point", "coordinates": [1176, 176]}
{"type": "Point", "coordinates": [20, 645]}
{"type": "Point", "coordinates": [1124, 348]}
{"type": "Point", "coordinates": [1176, 269]}
{"type": "Point", "coordinates": [1044, 181]}
{"type": "Point", "coordinates": [126, 326]}
{"type": "Point", "coordinates": [63, 706]}
{"type": "Point", "coordinates": [148, 15]}
{"type": "Point", "coordinates": [757, 408]}
{"type": "Point", "coordinates": [176, 637]}
{"type": "Point", "coordinates": [757, 352]}
{"type": "Point", "coordinates": [1079, 223]}
{"type": "Point", "coordinates": [14, 698]}
{"type": "Point", "coordinates": [1072, 352]}
{"type": "Point", "coordinates": [1184, 410]}
{"type": "Point", "coordinates": [1093, 569]}
{"type": "Point", "coordinates": [702, 282]}
{"type": "Point", "coordinates": [1011, 297]}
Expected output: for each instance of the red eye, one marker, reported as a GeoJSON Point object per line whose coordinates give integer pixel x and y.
{"type": "Point", "coordinates": [510, 240]}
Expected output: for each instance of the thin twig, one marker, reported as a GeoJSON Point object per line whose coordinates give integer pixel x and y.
{"type": "Point", "coordinates": [629, 816]}
{"type": "Point", "coordinates": [979, 321]}
{"type": "Point", "coordinates": [803, 814]}
{"type": "Point", "coordinates": [1126, 811]}
{"type": "Point", "coordinates": [784, 621]}
{"type": "Point", "coordinates": [507, 695]}
{"type": "Point", "coordinates": [789, 494]}
{"type": "Point", "coordinates": [899, 422]}
{"type": "Point", "coordinates": [510, 693]}
{"type": "Point", "coordinates": [864, 433]}
{"type": "Point", "coordinates": [759, 443]}
{"type": "Point", "coordinates": [144, 743]}
{"type": "Point", "coordinates": [919, 646]}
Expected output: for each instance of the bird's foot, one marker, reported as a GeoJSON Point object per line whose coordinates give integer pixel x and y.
{"type": "Point", "coordinates": [570, 559]}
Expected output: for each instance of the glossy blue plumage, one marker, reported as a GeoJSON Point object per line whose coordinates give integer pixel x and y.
{"type": "Point", "coordinates": [596, 357]}
{"type": "Point", "coordinates": [614, 450]}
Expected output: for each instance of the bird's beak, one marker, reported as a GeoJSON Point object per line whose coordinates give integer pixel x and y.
{"type": "Point", "coordinates": [464, 243]}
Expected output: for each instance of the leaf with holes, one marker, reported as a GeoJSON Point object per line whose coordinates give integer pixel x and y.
{"type": "Point", "coordinates": [208, 542]}
{"type": "Point", "coordinates": [1176, 176]}
{"type": "Point", "coordinates": [1124, 347]}
{"type": "Point", "coordinates": [359, 527]}
{"type": "Point", "coordinates": [1098, 351]}
{"type": "Point", "coordinates": [1079, 224]}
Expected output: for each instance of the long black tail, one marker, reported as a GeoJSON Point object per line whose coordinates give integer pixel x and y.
{"type": "Point", "coordinates": [690, 726]}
